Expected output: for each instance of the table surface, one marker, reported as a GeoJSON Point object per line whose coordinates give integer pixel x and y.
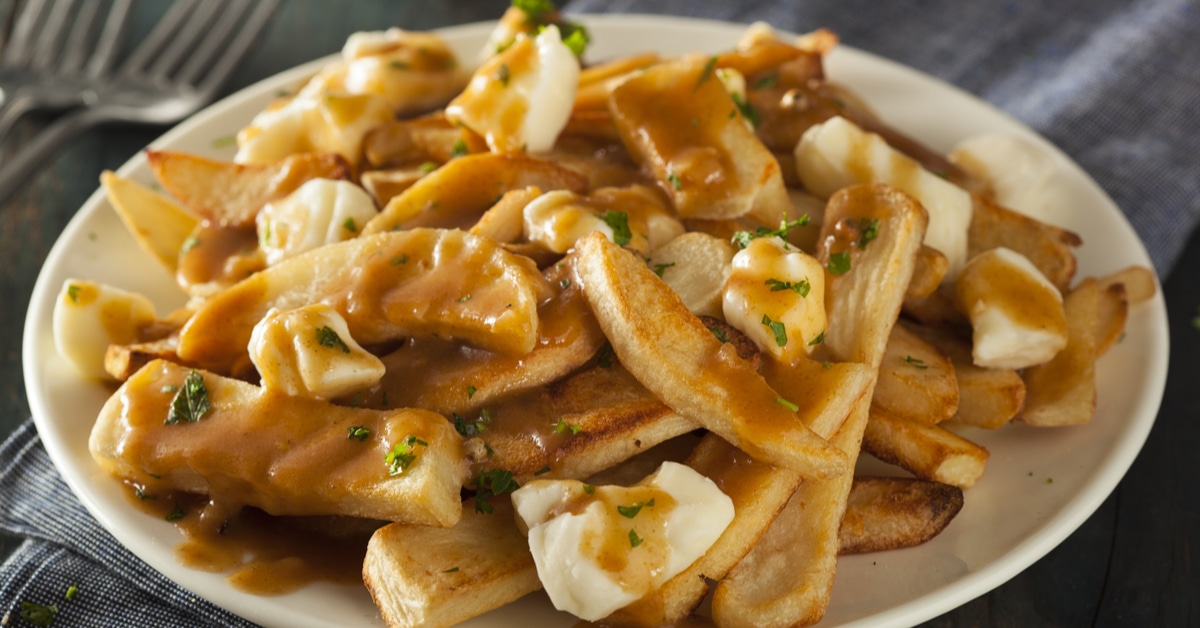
{"type": "Point", "coordinates": [1130, 563]}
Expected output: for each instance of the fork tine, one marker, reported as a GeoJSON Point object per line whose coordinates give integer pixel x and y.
{"type": "Point", "coordinates": [162, 33]}
{"type": "Point", "coordinates": [50, 38]}
{"type": "Point", "coordinates": [81, 38]}
{"type": "Point", "coordinates": [251, 28]}
{"type": "Point", "coordinates": [102, 59]}
{"type": "Point", "coordinates": [214, 41]}
{"type": "Point", "coordinates": [185, 39]}
{"type": "Point", "coordinates": [18, 49]}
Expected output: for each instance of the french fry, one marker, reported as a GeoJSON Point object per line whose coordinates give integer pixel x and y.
{"type": "Point", "coordinates": [435, 577]}
{"type": "Point", "coordinates": [916, 380]}
{"type": "Point", "coordinates": [928, 275]}
{"type": "Point", "coordinates": [1112, 310]}
{"type": "Point", "coordinates": [158, 224]}
{"type": "Point", "coordinates": [987, 397]}
{"type": "Point", "coordinates": [384, 185]}
{"type": "Point", "coordinates": [504, 221]}
{"type": "Point", "coordinates": [1140, 284]}
{"type": "Point", "coordinates": [678, 359]}
{"type": "Point", "coordinates": [294, 458]}
{"type": "Point", "coordinates": [929, 452]}
{"type": "Point", "coordinates": [1048, 247]}
{"type": "Point", "coordinates": [230, 194]}
{"type": "Point", "coordinates": [1063, 390]}
{"type": "Point", "coordinates": [893, 513]}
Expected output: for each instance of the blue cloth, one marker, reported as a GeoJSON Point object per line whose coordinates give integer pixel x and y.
{"type": "Point", "coordinates": [1114, 83]}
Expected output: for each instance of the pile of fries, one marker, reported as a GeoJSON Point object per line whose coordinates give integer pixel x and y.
{"type": "Point", "coordinates": [550, 282]}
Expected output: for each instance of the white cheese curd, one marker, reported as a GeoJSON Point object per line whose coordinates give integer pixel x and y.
{"type": "Point", "coordinates": [520, 99]}
{"type": "Point", "coordinates": [1018, 171]}
{"type": "Point", "coordinates": [320, 212]}
{"type": "Point", "coordinates": [90, 316]}
{"type": "Point", "coordinates": [1016, 314]}
{"type": "Point", "coordinates": [557, 219]}
{"type": "Point", "coordinates": [309, 352]}
{"type": "Point", "coordinates": [836, 154]}
{"type": "Point", "coordinates": [775, 295]}
{"type": "Point", "coordinates": [597, 549]}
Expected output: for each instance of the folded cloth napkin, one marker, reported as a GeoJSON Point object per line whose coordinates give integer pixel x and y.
{"type": "Point", "coordinates": [1112, 82]}
{"type": "Point", "coordinates": [65, 547]}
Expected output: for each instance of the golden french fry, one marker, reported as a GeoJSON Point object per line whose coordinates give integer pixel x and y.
{"type": "Point", "coordinates": [929, 452]}
{"type": "Point", "coordinates": [1048, 247]}
{"type": "Point", "coordinates": [387, 286]}
{"type": "Point", "coordinates": [987, 398]}
{"type": "Point", "coordinates": [678, 359]}
{"type": "Point", "coordinates": [273, 465]}
{"type": "Point", "coordinates": [122, 361]}
{"type": "Point", "coordinates": [384, 185]}
{"type": "Point", "coordinates": [1063, 390]}
{"type": "Point", "coordinates": [435, 577]}
{"type": "Point", "coordinates": [927, 276]}
{"type": "Point", "coordinates": [937, 309]}
{"type": "Point", "coordinates": [504, 221]}
{"type": "Point", "coordinates": [916, 380]}
{"type": "Point", "coordinates": [230, 194]}
{"type": "Point", "coordinates": [412, 142]}
{"type": "Point", "coordinates": [158, 224]}
{"type": "Point", "coordinates": [1140, 284]}
{"type": "Point", "coordinates": [892, 513]}
{"type": "Point", "coordinates": [457, 194]}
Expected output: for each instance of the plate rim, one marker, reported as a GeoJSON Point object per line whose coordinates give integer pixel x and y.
{"type": "Point", "coordinates": [1070, 515]}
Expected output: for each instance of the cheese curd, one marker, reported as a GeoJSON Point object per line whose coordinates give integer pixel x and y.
{"type": "Point", "coordinates": [633, 217]}
{"type": "Point", "coordinates": [309, 352]}
{"type": "Point", "coordinates": [838, 154]}
{"type": "Point", "coordinates": [521, 99]}
{"type": "Point", "coordinates": [1019, 172]}
{"type": "Point", "coordinates": [90, 316]}
{"type": "Point", "coordinates": [597, 549]}
{"type": "Point", "coordinates": [1016, 314]}
{"type": "Point", "coordinates": [320, 212]}
{"type": "Point", "coordinates": [775, 295]}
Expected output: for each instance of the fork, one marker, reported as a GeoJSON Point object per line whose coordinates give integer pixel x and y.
{"type": "Point", "coordinates": [173, 73]}
{"type": "Point", "coordinates": [43, 64]}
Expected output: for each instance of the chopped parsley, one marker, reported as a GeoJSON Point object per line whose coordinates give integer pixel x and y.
{"type": "Point", "coordinates": [604, 360]}
{"type": "Point", "coordinates": [870, 231]}
{"type": "Point", "coordinates": [619, 223]}
{"type": "Point", "coordinates": [634, 539]}
{"type": "Point", "coordinates": [659, 268]}
{"type": "Point", "coordinates": [564, 284]}
{"type": "Point", "coordinates": [326, 337]}
{"type": "Point", "coordinates": [707, 72]}
{"type": "Point", "coordinates": [801, 287]}
{"type": "Point", "coordinates": [464, 298]}
{"type": "Point", "coordinates": [37, 614]}
{"type": "Point", "coordinates": [359, 432]}
{"type": "Point", "coordinates": [427, 167]}
{"type": "Point", "coordinates": [535, 9]}
{"type": "Point", "coordinates": [191, 402]}
{"type": "Point", "coordinates": [839, 263]}
{"type": "Point", "coordinates": [767, 81]}
{"type": "Point", "coordinates": [397, 64]}
{"type": "Point", "coordinates": [720, 334]}
{"type": "Point", "coordinates": [401, 457]}
{"type": "Point", "coordinates": [673, 179]}
{"type": "Point", "coordinates": [471, 390]}
{"type": "Point", "coordinates": [401, 259]}
{"type": "Point", "coordinates": [589, 489]}
{"type": "Point", "coordinates": [140, 492]}
{"type": "Point", "coordinates": [503, 75]}
{"type": "Point", "coordinates": [450, 570]}
{"type": "Point", "coordinates": [73, 292]}
{"type": "Point", "coordinates": [629, 512]}
{"type": "Point", "coordinates": [472, 428]}
{"type": "Point", "coordinates": [350, 226]}
{"type": "Point", "coordinates": [787, 404]}
{"type": "Point", "coordinates": [176, 514]}
{"type": "Point", "coordinates": [741, 239]}
{"type": "Point", "coordinates": [190, 243]}
{"type": "Point", "coordinates": [776, 328]}
{"type": "Point", "coordinates": [170, 388]}
{"type": "Point", "coordinates": [562, 427]}
{"type": "Point", "coordinates": [818, 340]}
{"type": "Point", "coordinates": [459, 149]}
{"type": "Point", "coordinates": [544, 470]}
{"type": "Point", "coordinates": [491, 483]}
{"type": "Point", "coordinates": [577, 39]}
{"type": "Point", "coordinates": [917, 362]}
{"type": "Point", "coordinates": [748, 110]}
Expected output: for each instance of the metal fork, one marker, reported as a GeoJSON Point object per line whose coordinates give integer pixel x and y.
{"type": "Point", "coordinates": [44, 58]}
{"type": "Point", "coordinates": [172, 74]}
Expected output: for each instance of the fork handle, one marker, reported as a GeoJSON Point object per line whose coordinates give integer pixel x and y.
{"type": "Point", "coordinates": [21, 166]}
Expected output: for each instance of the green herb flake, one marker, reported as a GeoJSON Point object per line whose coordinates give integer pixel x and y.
{"type": "Point", "coordinates": [489, 484]}
{"type": "Point", "coordinates": [766, 81]}
{"type": "Point", "coordinates": [544, 470]}
{"type": "Point", "coordinates": [720, 334]}
{"type": "Point", "coordinates": [629, 512]}
{"type": "Point", "coordinates": [401, 259]}
{"type": "Point", "coordinates": [191, 402]}
{"type": "Point", "coordinates": [37, 614]}
{"type": "Point", "coordinates": [401, 457]}
{"type": "Point", "coordinates": [326, 337]}
{"type": "Point", "coordinates": [450, 570]}
{"type": "Point", "coordinates": [748, 111]}
{"type": "Point", "coordinates": [917, 362]}
{"type": "Point", "coordinates": [503, 74]}
{"type": "Point", "coordinates": [534, 9]}
{"type": "Point", "coordinates": [619, 223]}
{"type": "Point", "coordinates": [659, 268]}
{"type": "Point", "coordinates": [427, 167]}
{"type": "Point", "coordinates": [464, 298]}
{"type": "Point", "coordinates": [170, 388]}
{"type": "Point", "coordinates": [707, 72]}
{"type": "Point", "coordinates": [564, 284]}
{"type": "Point", "coordinates": [577, 40]}
{"type": "Point", "coordinates": [673, 179]}
{"type": "Point", "coordinates": [787, 404]}
{"type": "Point", "coordinates": [776, 328]}
{"type": "Point", "coordinates": [471, 428]}
{"type": "Point", "coordinates": [634, 539]}
{"type": "Point", "coordinates": [604, 360]}
{"type": "Point", "coordinates": [73, 292]}
{"type": "Point", "coordinates": [359, 432]}
{"type": "Point", "coordinates": [349, 225]}
{"type": "Point", "coordinates": [176, 514]}
{"type": "Point", "coordinates": [471, 390]}
{"type": "Point", "coordinates": [190, 243]}
{"type": "Point", "coordinates": [140, 492]}
{"type": "Point", "coordinates": [1049, 480]}
{"type": "Point", "coordinates": [839, 263]}
{"type": "Point", "coordinates": [741, 239]}
{"type": "Point", "coordinates": [818, 340]}
{"type": "Point", "coordinates": [827, 365]}
{"type": "Point", "coordinates": [562, 427]}
{"type": "Point", "coordinates": [459, 149]}
{"type": "Point", "coordinates": [869, 230]}
{"type": "Point", "coordinates": [802, 287]}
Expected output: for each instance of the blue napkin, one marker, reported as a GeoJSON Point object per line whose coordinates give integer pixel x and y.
{"type": "Point", "coordinates": [1114, 83]}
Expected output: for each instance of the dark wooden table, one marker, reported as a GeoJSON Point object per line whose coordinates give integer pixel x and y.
{"type": "Point", "coordinates": [1131, 563]}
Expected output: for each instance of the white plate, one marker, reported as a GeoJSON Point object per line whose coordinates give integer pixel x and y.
{"type": "Point", "coordinates": [1039, 485]}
